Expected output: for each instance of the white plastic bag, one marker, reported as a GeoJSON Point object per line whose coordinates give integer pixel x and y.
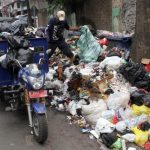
{"type": "Point", "coordinates": [129, 137]}
{"type": "Point", "coordinates": [121, 126]}
{"type": "Point", "coordinates": [93, 111]}
{"type": "Point", "coordinates": [104, 126]}
{"type": "Point", "coordinates": [126, 114]}
{"type": "Point", "coordinates": [72, 107]}
{"type": "Point", "coordinates": [137, 120]}
{"type": "Point", "coordinates": [118, 99]}
{"type": "Point", "coordinates": [112, 63]}
{"type": "Point", "coordinates": [94, 106]}
{"type": "Point", "coordinates": [108, 114]}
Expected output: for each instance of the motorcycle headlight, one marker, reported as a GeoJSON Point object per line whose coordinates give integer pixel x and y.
{"type": "Point", "coordinates": [37, 83]}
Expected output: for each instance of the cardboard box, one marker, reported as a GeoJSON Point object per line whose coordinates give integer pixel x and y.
{"type": "Point", "coordinates": [145, 61]}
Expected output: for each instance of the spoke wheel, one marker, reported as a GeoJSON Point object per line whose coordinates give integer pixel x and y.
{"type": "Point", "coordinates": [40, 128]}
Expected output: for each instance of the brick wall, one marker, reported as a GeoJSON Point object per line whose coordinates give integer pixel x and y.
{"type": "Point", "coordinates": [97, 13]}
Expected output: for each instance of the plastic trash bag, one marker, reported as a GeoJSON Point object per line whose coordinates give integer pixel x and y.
{"type": "Point", "coordinates": [25, 56]}
{"type": "Point", "coordinates": [147, 145]}
{"type": "Point", "coordinates": [112, 63]}
{"type": "Point", "coordinates": [129, 137]}
{"type": "Point", "coordinates": [141, 136]}
{"type": "Point", "coordinates": [72, 107]}
{"type": "Point", "coordinates": [93, 111]}
{"type": "Point", "coordinates": [126, 113]}
{"type": "Point", "coordinates": [130, 123]}
{"type": "Point", "coordinates": [118, 99]}
{"type": "Point", "coordinates": [4, 26]}
{"type": "Point", "coordinates": [136, 97]}
{"type": "Point", "coordinates": [109, 138]}
{"type": "Point", "coordinates": [18, 27]}
{"type": "Point", "coordinates": [94, 106]}
{"type": "Point", "coordinates": [17, 42]}
{"type": "Point", "coordinates": [9, 57]}
{"type": "Point", "coordinates": [121, 126]}
{"type": "Point", "coordinates": [136, 74]}
{"type": "Point", "coordinates": [108, 114]}
{"type": "Point", "coordinates": [146, 100]}
{"type": "Point", "coordinates": [144, 126]}
{"type": "Point", "coordinates": [139, 110]}
{"type": "Point", "coordinates": [104, 126]}
{"type": "Point", "coordinates": [90, 49]}
{"type": "Point", "coordinates": [117, 145]}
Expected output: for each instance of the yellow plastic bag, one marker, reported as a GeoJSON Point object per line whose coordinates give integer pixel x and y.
{"type": "Point", "coordinates": [141, 136]}
{"type": "Point", "coordinates": [139, 110]}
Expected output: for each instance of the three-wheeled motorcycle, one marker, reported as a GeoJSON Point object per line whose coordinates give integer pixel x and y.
{"type": "Point", "coordinates": [25, 88]}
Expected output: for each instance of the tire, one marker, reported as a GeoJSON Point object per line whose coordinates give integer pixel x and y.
{"type": "Point", "coordinates": [40, 128]}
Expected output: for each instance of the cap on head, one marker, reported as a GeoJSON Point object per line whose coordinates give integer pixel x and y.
{"type": "Point", "coordinates": [61, 15]}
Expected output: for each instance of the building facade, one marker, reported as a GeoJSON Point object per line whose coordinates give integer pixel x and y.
{"type": "Point", "coordinates": [12, 8]}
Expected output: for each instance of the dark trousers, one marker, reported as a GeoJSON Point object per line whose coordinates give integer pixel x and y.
{"type": "Point", "coordinates": [63, 46]}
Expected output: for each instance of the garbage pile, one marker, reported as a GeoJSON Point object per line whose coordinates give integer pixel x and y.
{"type": "Point", "coordinates": [17, 32]}
{"type": "Point", "coordinates": [105, 92]}
{"type": "Point", "coordinates": [19, 49]}
{"type": "Point", "coordinates": [20, 27]}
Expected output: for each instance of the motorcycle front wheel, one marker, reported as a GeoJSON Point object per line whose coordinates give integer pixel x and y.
{"type": "Point", "coordinates": [40, 128]}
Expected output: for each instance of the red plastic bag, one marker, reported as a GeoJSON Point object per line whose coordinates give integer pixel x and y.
{"type": "Point", "coordinates": [115, 119]}
{"type": "Point", "coordinates": [147, 145]}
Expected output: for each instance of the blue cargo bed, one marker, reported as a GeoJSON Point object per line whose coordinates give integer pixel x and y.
{"type": "Point", "coordinates": [40, 45]}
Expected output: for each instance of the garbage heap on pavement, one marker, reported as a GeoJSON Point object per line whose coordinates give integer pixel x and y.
{"type": "Point", "coordinates": [105, 92]}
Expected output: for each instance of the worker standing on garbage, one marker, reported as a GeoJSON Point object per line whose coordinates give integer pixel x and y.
{"type": "Point", "coordinates": [55, 30]}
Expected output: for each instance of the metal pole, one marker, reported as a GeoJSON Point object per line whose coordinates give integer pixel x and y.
{"type": "Point", "coordinates": [21, 8]}
{"type": "Point", "coordinates": [29, 13]}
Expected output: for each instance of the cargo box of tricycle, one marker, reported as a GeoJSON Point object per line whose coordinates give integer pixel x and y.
{"type": "Point", "coordinates": [40, 46]}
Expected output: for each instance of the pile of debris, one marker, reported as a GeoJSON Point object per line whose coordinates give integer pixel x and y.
{"type": "Point", "coordinates": [105, 92]}
{"type": "Point", "coordinates": [20, 27]}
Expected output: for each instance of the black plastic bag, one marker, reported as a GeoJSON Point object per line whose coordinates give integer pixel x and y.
{"type": "Point", "coordinates": [18, 27]}
{"type": "Point", "coordinates": [136, 74]}
{"type": "Point", "coordinates": [137, 97]}
{"type": "Point", "coordinates": [109, 138]}
{"type": "Point", "coordinates": [146, 100]}
{"type": "Point", "coordinates": [4, 26]}
{"type": "Point", "coordinates": [10, 56]}
{"type": "Point", "coordinates": [17, 42]}
{"type": "Point", "coordinates": [145, 126]}
{"type": "Point", "coordinates": [25, 56]}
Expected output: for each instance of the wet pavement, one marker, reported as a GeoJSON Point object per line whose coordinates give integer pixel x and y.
{"type": "Point", "coordinates": [15, 134]}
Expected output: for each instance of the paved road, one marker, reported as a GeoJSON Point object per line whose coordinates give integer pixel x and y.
{"type": "Point", "coordinates": [15, 134]}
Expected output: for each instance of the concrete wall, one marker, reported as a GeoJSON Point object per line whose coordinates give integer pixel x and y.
{"type": "Point", "coordinates": [141, 48]}
{"type": "Point", "coordinates": [42, 15]}
{"type": "Point", "coordinates": [128, 15]}
{"type": "Point", "coordinates": [97, 13]}
{"type": "Point", "coordinates": [123, 15]}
